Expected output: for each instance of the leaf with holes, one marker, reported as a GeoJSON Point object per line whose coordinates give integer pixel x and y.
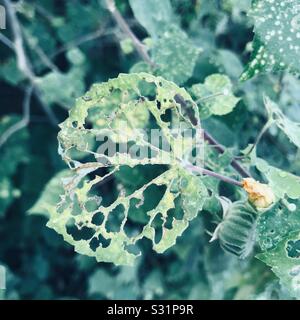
{"type": "Point", "coordinates": [215, 96]}
{"type": "Point", "coordinates": [276, 45]}
{"type": "Point", "coordinates": [51, 194]}
{"type": "Point", "coordinates": [116, 115]}
{"type": "Point", "coordinates": [275, 224]}
{"type": "Point", "coordinates": [285, 262]}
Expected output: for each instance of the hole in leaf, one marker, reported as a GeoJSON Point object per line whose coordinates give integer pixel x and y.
{"type": "Point", "coordinates": [99, 241]}
{"type": "Point", "coordinates": [157, 225]}
{"type": "Point", "coordinates": [147, 89]}
{"type": "Point", "coordinates": [175, 213]}
{"type": "Point", "coordinates": [76, 210]}
{"type": "Point", "coordinates": [103, 241]}
{"type": "Point", "coordinates": [84, 233]}
{"type": "Point", "coordinates": [166, 117]}
{"type": "Point", "coordinates": [131, 248]}
{"type": "Point", "coordinates": [115, 218]}
{"type": "Point", "coordinates": [152, 196]}
{"type": "Point", "coordinates": [293, 249]}
{"type": "Point", "coordinates": [92, 204]}
{"type": "Point", "coordinates": [98, 218]}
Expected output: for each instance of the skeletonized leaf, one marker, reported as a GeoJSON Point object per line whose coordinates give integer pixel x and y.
{"type": "Point", "coordinates": [51, 194]}
{"type": "Point", "coordinates": [116, 109]}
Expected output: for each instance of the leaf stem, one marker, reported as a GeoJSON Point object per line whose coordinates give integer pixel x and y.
{"type": "Point", "coordinates": [265, 128]}
{"type": "Point", "coordinates": [23, 62]}
{"type": "Point", "coordinates": [213, 174]}
{"type": "Point", "coordinates": [221, 149]}
{"type": "Point", "coordinates": [140, 48]}
{"type": "Point", "coordinates": [23, 122]}
{"type": "Point", "coordinates": [211, 96]}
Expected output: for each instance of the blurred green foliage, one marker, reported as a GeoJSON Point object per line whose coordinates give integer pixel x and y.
{"type": "Point", "coordinates": [71, 45]}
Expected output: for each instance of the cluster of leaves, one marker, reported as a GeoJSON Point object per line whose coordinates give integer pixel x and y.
{"type": "Point", "coordinates": [126, 210]}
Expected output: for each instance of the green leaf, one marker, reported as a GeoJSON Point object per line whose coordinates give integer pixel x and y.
{"type": "Point", "coordinates": [289, 127]}
{"type": "Point", "coordinates": [123, 105]}
{"type": "Point", "coordinates": [215, 96]}
{"type": "Point", "coordinates": [50, 195]}
{"type": "Point", "coordinates": [282, 183]}
{"type": "Point", "coordinates": [175, 55]}
{"type": "Point", "coordinates": [127, 46]}
{"type": "Point", "coordinates": [276, 45]}
{"type": "Point", "coordinates": [57, 87]}
{"type": "Point", "coordinates": [64, 88]}
{"type": "Point", "coordinates": [285, 262]}
{"type": "Point", "coordinates": [153, 15]}
{"type": "Point", "coordinates": [273, 226]}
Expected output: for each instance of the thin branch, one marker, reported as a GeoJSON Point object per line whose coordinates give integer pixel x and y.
{"type": "Point", "coordinates": [211, 96]}
{"type": "Point", "coordinates": [234, 163]}
{"type": "Point", "coordinates": [42, 56]}
{"type": "Point", "coordinates": [83, 39]}
{"type": "Point", "coordinates": [23, 63]}
{"type": "Point", "coordinates": [7, 42]}
{"type": "Point", "coordinates": [213, 174]}
{"type": "Point", "coordinates": [23, 122]}
{"type": "Point", "coordinates": [265, 128]}
{"type": "Point", "coordinates": [140, 48]}
{"type": "Point", "coordinates": [207, 137]}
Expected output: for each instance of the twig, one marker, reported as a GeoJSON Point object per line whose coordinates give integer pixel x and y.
{"type": "Point", "coordinates": [234, 163]}
{"type": "Point", "coordinates": [22, 61]}
{"type": "Point", "coordinates": [140, 48]}
{"type": "Point", "coordinates": [211, 96]}
{"type": "Point", "coordinates": [267, 125]}
{"type": "Point", "coordinates": [23, 122]}
{"type": "Point", "coordinates": [207, 137]}
{"type": "Point", "coordinates": [85, 38]}
{"type": "Point", "coordinates": [7, 42]}
{"type": "Point", "coordinates": [213, 174]}
{"type": "Point", "coordinates": [43, 57]}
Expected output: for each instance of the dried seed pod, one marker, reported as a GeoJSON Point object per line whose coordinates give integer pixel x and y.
{"type": "Point", "coordinates": [236, 232]}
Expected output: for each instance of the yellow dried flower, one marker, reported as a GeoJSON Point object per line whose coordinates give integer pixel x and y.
{"type": "Point", "coordinates": [260, 195]}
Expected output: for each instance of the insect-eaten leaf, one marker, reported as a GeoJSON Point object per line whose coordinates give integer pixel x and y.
{"type": "Point", "coordinates": [116, 116]}
{"type": "Point", "coordinates": [285, 262]}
